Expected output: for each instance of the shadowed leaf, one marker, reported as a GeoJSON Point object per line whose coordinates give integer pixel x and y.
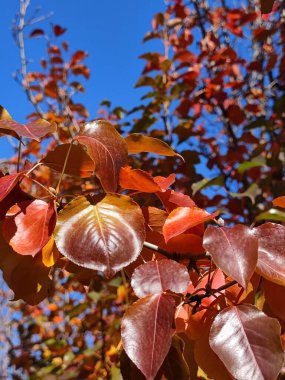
{"type": "Point", "coordinates": [8, 182]}
{"type": "Point", "coordinates": [78, 164]}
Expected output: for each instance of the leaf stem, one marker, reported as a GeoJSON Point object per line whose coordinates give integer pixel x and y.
{"type": "Point", "coordinates": [63, 169]}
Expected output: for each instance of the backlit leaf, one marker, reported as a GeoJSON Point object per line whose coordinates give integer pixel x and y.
{"type": "Point", "coordinates": [29, 225]}
{"type": "Point", "coordinates": [171, 199]}
{"type": "Point", "coordinates": [234, 250]}
{"type": "Point", "coordinates": [279, 202]}
{"type": "Point", "coordinates": [108, 150]}
{"type": "Point", "coordinates": [147, 332]}
{"type": "Point", "coordinates": [138, 143]}
{"type": "Point", "coordinates": [105, 236]}
{"type": "Point", "coordinates": [272, 214]}
{"type": "Point", "coordinates": [78, 164]}
{"type": "Point", "coordinates": [183, 218]}
{"type": "Point", "coordinates": [248, 343]}
{"type": "Point", "coordinates": [271, 252]}
{"type": "Point", "coordinates": [8, 182]}
{"type": "Point", "coordinates": [137, 179]}
{"type": "Point", "coordinates": [4, 114]}
{"type": "Point", "coordinates": [252, 192]}
{"type": "Point", "coordinates": [33, 130]}
{"type": "Point", "coordinates": [206, 182]}
{"type": "Point", "coordinates": [158, 276]}
{"type": "Point", "coordinates": [49, 253]}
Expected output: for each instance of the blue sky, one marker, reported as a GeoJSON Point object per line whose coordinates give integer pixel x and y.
{"type": "Point", "coordinates": [111, 31]}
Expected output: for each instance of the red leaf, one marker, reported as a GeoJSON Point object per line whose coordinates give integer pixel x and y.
{"type": "Point", "coordinates": [137, 179]}
{"type": "Point", "coordinates": [274, 295]}
{"type": "Point", "coordinates": [234, 250]}
{"type": "Point", "coordinates": [29, 225]}
{"type": "Point", "coordinates": [171, 199]}
{"type": "Point", "coordinates": [105, 236]}
{"type": "Point", "coordinates": [108, 150]}
{"type": "Point", "coordinates": [183, 218]}
{"type": "Point", "coordinates": [58, 30]}
{"type": "Point", "coordinates": [159, 276]}
{"type": "Point", "coordinates": [8, 182]}
{"type": "Point", "coordinates": [271, 252]}
{"type": "Point", "coordinates": [78, 56]}
{"type": "Point", "coordinates": [78, 164]}
{"type": "Point", "coordinates": [248, 343]}
{"type": "Point", "coordinates": [33, 130]}
{"type": "Point", "coordinates": [279, 202]}
{"type": "Point", "coordinates": [147, 332]}
{"type": "Point", "coordinates": [36, 33]}
{"type": "Point", "coordinates": [163, 182]}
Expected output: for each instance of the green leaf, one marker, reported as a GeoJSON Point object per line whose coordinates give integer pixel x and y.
{"type": "Point", "coordinates": [207, 182]}
{"type": "Point", "coordinates": [252, 192]}
{"type": "Point", "coordinates": [272, 214]}
{"type": "Point", "coordinates": [257, 161]}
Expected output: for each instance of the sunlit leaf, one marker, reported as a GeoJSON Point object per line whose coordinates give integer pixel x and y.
{"type": "Point", "coordinates": [108, 150]}
{"type": "Point", "coordinates": [136, 179]}
{"type": "Point", "coordinates": [183, 218]}
{"type": "Point", "coordinates": [171, 199]}
{"type": "Point", "coordinates": [279, 202]}
{"type": "Point", "coordinates": [272, 214]}
{"type": "Point", "coordinates": [252, 192]}
{"type": "Point", "coordinates": [29, 225]}
{"type": "Point", "coordinates": [234, 250]}
{"type": "Point", "coordinates": [105, 236]}
{"type": "Point", "coordinates": [78, 164]}
{"type": "Point", "coordinates": [163, 182]}
{"type": "Point", "coordinates": [271, 252]}
{"type": "Point", "coordinates": [4, 114]}
{"type": "Point", "coordinates": [33, 130]}
{"type": "Point", "coordinates": [138, 143]}
{"type": "Point", "coordinates": [158, 276]}
{"type": "Point", "coordinates": [49, 253]}
{"type": "Point", "coordinates": [255, 162]}
{"type": "Point", "coordinates": [147, 332]}
{"type": "Point", "coordinates": [248, 343]}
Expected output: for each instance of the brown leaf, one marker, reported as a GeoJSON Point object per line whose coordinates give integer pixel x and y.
{"type": "Point", "coordinates": [78, 164]}
{"type": "Point", "coordinates": [108, 150]}
{"type": "Point", "coordinates": [33, 130]}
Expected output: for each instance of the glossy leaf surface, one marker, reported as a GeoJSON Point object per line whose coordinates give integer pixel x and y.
{"type": "Point", "coordinates": [271, 252]}
{"type": "Point", "coordinates": [248, 343]}
{"type": "Point", "coordinates": [78, 163]}
{"type": "Point", "coordinates": [158, 276]}
{"type": "Point", "coordinates": [29, 225]}
{"type": "Point", "coordinates": [234, 250]}
{"type": "Point", "coordinates": [108, 150]}
{"type": "Point", "coordinates": [183, 218]}
{"type": "Point", "coordinates": [34, 130]}
{"type": "Point", "coordinates": [105, 236]}
{"type": "Point", "coordinates": [147, 332]}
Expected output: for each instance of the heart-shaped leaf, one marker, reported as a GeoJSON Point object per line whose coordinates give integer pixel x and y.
{"type": "Point", "coordinates": [158, 276]}
{"type": "Point", "coordinates": [147, 332]}
{"type": "Point", "coordinates": [234, 250]}
{"type": "Point", "coordinates": [248, 343]}
{"type": "Point", "coordinates": [105, 236]}
{"type": "Point", "coordinates": [108, 150]}
{"type": "Point", "coordinates": [78, 163]}
{"type": "Point", "coordinates": [271, 252]}
{"type": "Point", "coordinates": [33, 130]}
{"type": "Point", "coordinates": [138, 143]}
{"type": "Point", "coordinates": [29, 225]}
{"type": "Point", "coordinates": [8, 182]}
{"type": "Point", "coordinates": [183, 218]}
